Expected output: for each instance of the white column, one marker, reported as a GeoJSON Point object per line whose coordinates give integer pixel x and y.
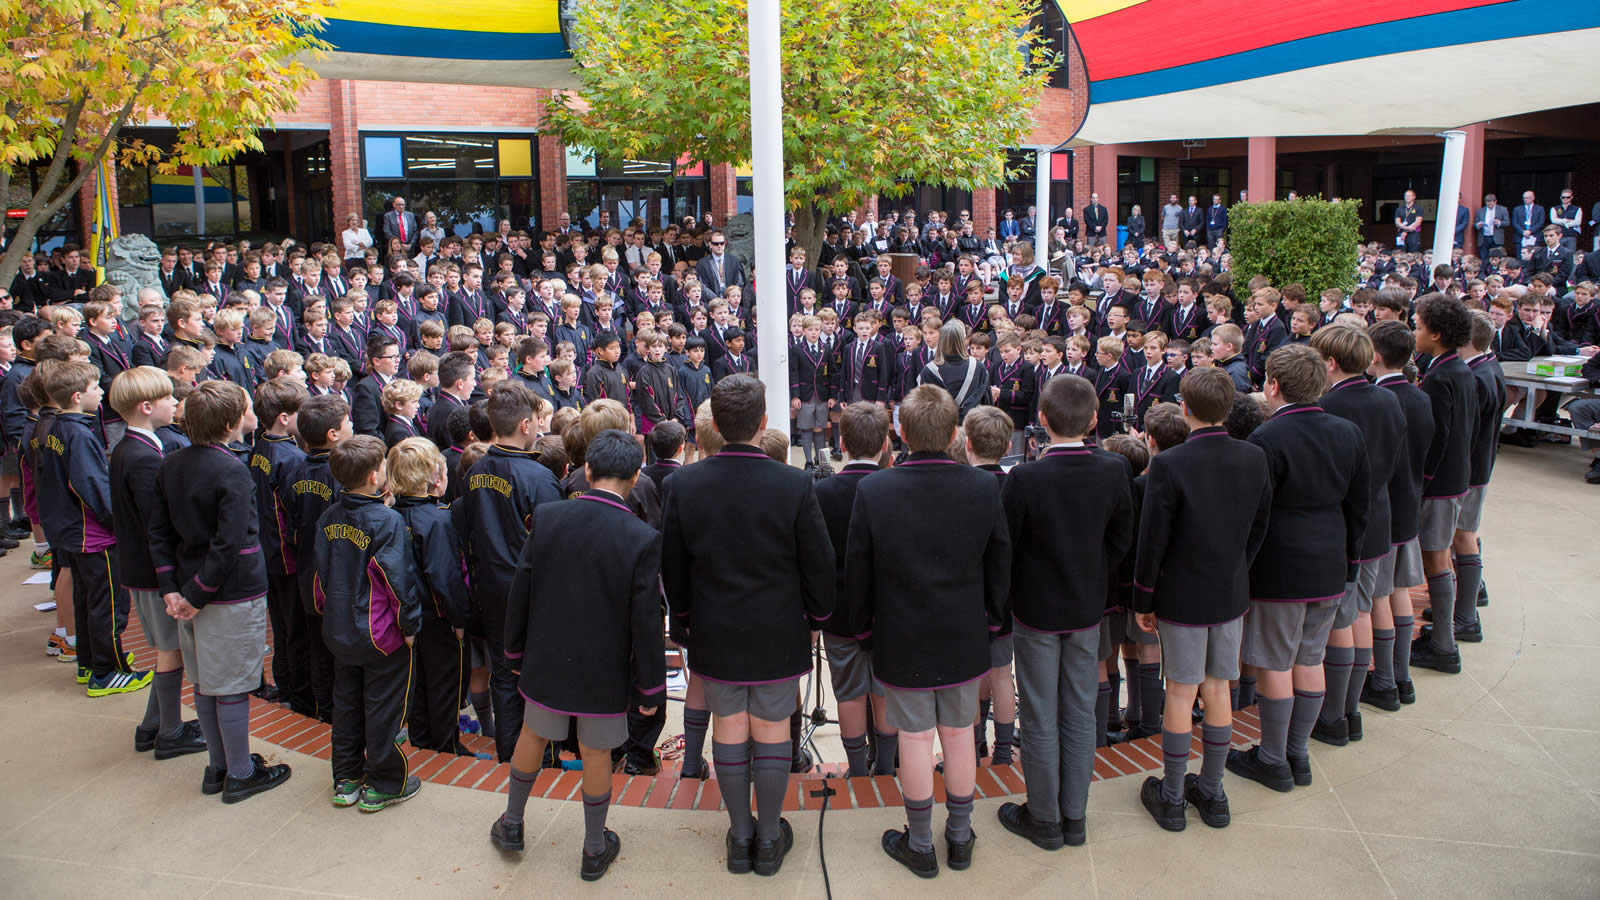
{"type": "Point", "coordinates": [1042, 222]}
{"type": "Point", "coordinates": [199, 199]}
{"type": "Point", "coordinates": [1444, 224]}
{"type": "Point", "coordinates": [766, 161]}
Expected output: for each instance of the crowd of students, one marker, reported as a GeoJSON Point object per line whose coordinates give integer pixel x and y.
{"type": "Point", "coordinates": [291, 447]}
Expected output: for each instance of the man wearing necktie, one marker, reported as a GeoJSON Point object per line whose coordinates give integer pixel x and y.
{"type": "Point", "coordinates": [1528, 221]}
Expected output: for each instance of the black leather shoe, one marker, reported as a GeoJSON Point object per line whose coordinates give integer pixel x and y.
{"type": "Point", "coordinates": [1424, 656]}
{"type": "Point", "coordinates": [1132, 734]}
{"type": "Point", "coordinates": [1426, 615]}
{"type": "Point", "coordinates": [1300, 770]}
{"type": "Point", "coordinates": [268, 693]}
{"type": "Point", "coordinates": [1248, 764]}
{"type": "Point", "coordinates": [506, 836]}
{"type": "Point", "coordinates": [958, 854]}
{"type": "Point", "coordinates": [189, 739]}
{"type": "Point", "coordinates": [1169, 816]}
{"type": "Point", "coordinates": [1017, 820]}
{"type": "Point", "coordinates": [1336, 734]}
{"type": "Point", "coordinates": [898, 845]}
{"type": "Point", "coordinates": [802, 762]}
{"type": "Point", "coordinates": [1353, 725]}
{"type": "Point", "coordinates": [769, 854]}
{"type": "Point", "coordinates": [1384, 698]}
{"type": "Point", "coordinates": [1213, 810]}
{"type": "Point", "coordinates": [1470, 634]}
{"type": "Point", "coordinates": [9, 543]}
{"type": "Point", "coordinates": [216, 779]}
{"type": "Point", "coordinates": [1407, 691]}
{"type": "Point", "coordinates": [594, 867]}
{"type": "Point", "coordinates": [701, 773]}
{"type": "Point", "coordinates": [144, 741]}
{"type": "Point", "coordinates": [739, 853]}
{"type": "Point", "coordinates": [263, 779]}
{"type": "Point", "coordinates": [1074, 831]}
{"type": "Point", "coordinates": [1483, 594]}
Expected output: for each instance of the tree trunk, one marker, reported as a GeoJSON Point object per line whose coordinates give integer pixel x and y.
{"type": "Point", "coordinates": [810, 227]}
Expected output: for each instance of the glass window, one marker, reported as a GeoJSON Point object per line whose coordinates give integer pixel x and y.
{"type": "Point", "coordinates": [449, 156]}
{"type": "Point", "coordinates": [383, 157]}
{"type": "Point", "coordinates": [635, 168]}
{"type": "Point", "coordinates": [1053, 28]}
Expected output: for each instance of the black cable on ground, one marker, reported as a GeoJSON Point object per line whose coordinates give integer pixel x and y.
{"type": "Point", "coordinates": [824, 792]}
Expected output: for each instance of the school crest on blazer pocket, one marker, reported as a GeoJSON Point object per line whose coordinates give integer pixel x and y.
{"type": "Point", "coordinates": [872, 362]}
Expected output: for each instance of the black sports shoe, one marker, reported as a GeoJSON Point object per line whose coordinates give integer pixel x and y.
{"type": "Point", "coordinates": [1407, 690]}
{"type": "Point", "coordinates": [1074, 831]}
{"type": "Point", "coordinates": [769, 854]}
{"type": "Point", "coordinates": [1169, 816]}
{"type": "Point", "coordinates": [506, 836]}
{"type": "Point", "coordinates": [264, 778]}
{"type": "Point", "coordinates": [1017, 820]}
{"type": "Point", "coordinates": [1424, 656]}
{"type": "Point", "coordinates": [9, 543]}
{"type": "Point", "coordinates": [1336, 734]}
{"type": "Point", "coordinates": [1213, 810]}
{"type": "Point", "coordinates": [1383, 698]}
{"type": "Point", "coordinates": [898, 845]}
{"type": "Point", "coordinates": [594, 867]}
{"type": "Point", "coordinates": [1248, 764]}
{"type": "Point", "coordinates": [189, 739]}
{"type": "Point", "coordinates": [1353, 725]}
{"type": "Point", "coordinates": [739, 853]}
{"type": "Point", "coordinates": [1300, 769]}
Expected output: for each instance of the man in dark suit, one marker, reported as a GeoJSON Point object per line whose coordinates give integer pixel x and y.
{"type": "Point", "coordinates": [1527, 221]}
{"type": "Point", "coordinates": [1096, 219]}
{"type": "Point", "coordinates": [1490, 225]}
{"type": "Point", "coordinates": [70, 282]}
{"type": "Point", "coordinates": [747, 625]}
{"type": "Point", "coordinates": [397, 223]}
{"type": "Point", "coordinates": [1216, 221]}
{"type": "Point", "coordinates": [718, 269]}
{"type": "Point", "coordinates": [1463, 219]}
{"type": "Point", "coordinates": [1190, 221]}
{"type": "Point", "coordinates": [173, 278]}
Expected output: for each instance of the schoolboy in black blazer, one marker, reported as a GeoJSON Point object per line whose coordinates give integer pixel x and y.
{"type": "Point", "coordinates": [1491, 404]}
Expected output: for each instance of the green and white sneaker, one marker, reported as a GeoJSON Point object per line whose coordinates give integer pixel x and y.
{"type": "Point", "coordinates": [346, 793]}
{"type": "Point", "coordinates": [119, 683]}
{"type": "Point", "coordinates": [373, 801]}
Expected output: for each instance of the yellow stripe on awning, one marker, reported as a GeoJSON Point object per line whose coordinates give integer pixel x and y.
{"type": "Point", "coordinates": [1084, 10]}
{"type": "Point", "coordinates": [492, 16]}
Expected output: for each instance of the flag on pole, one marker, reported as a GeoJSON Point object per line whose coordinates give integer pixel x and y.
{"type": "Point", "coordinates": [105, 219]}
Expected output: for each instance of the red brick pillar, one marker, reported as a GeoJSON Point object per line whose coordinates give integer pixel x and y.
{"type": "Point", "coordinates": [983, 210]}
{"type": "Point", "coordinates": [724, 192]}
{"type": "Point", "coordinates": [344, 153]}
{"type": "Point", "coordinates": [1166, 186]}
{"type": "Point", "coordinates": [867, 212]}
{"type": "Point", "coordinates": [552, 180]}
{"type": "Point", "coordinates": [1472, 188]}
{"type": "Point", "coordinates": [1262, 177]}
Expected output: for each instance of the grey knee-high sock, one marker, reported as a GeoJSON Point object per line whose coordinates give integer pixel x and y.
{"type": "Point", "coordinates": [888, 745]}
{"type": "Point", "coordinates": [1113, 685]}
{"type": "Point", "coordinates": [1469, 574]}
{"type": "Point", "coordinates": [1402, 648]}
{"type": "Point", "coordinates": [958, 818]}
{"type": "Point", "coordinates": [1358, 680]}
{"type": "Point", "coordinates": [919, 823]}
{"type": "Point", "coordinates": [152, 710]}
{"type": "Point", "coordinates": [1274, 713]}
{"type": "Point", "coordinates": [1382, 659]}
{"type": "Point", "coordinates": [1247, 692]}
{"type": "Point", "coordinates": [1307, 705]}
{"type": "Point", "coordinates": [1336, 663]}
{"type": "Point", "coordinates": [1175, 756]}
{"type": "Point", "coordinates": [732, 762]}
{"type": "Point", "coordinates": [1217, 738]}
{"type": "Point", "coordinates": [485, 712]}
{"type": "Point", "coordinates": [517, 801]}
{"type": "Point", "coordinates": [594, 823]}
{"type": "Point", "coordinates": [1133, 711]}
{"type": "Point", "coordinates": [855, 750]}
{"type": "Point", "coordinates": [169, 693]}
{"type": "Point", "coordinates": [1152, 695]}
{"type": "Point", "coordinates": [1442, 597]}
{"type": "Point", "coordinates": [695, 723]}
{"type": "Point", "coordinates": [1233, 697]}
{"type": "Point", "coordinates": [1004, 732]}
{"type": "Point", "coordinates": [233, 720]}
{"type": "Point", "coordinates": [808, 445]}
{"type": "Point", "coordinates": [769, 768]}
{"type": "Point", "coordinates": [205, 708]}
{"type": "Point", "coordinates": [1102, 710]}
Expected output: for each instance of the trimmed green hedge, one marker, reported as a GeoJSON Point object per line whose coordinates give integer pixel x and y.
{"type": "Point", "coordinates": [1310, 241]}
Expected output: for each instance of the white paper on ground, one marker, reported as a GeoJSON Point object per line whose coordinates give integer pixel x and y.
{"type": "Point", "coordinates": [46, 606]}
{"type": "Point", "coordinates": [38, 578]}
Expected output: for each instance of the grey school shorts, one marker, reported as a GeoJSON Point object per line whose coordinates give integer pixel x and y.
{"type": "Point", "coordinates": [9, 465]}
{"type": "Point", "coordinates": [771, 702]}
{"type": "Point", "coordinates": [599, 732]}
{"type": "Point", "coordinates": [1438, 522]}
{"type": "Point", "coordinates": [1279, 636]}
{"type": "Point", "coordinates": [850, 667]}
{"type": "Point", "coordinates": [1111, 627]}
{"type": "Point", "coordinates": [1192, 653]}
{"type": "Point", "coordinates": [1408, 571]}
{"type": "Point", "coordinates": [813, 415]}
{"type": "Point", "coordinates": [160, 629]}
{"type": "Point", "coordinates": [224, 646]}
{"type": "Point", "coordinates": [1471, 514]}
{"type": "Point", "coordinates": [1001, 650]}
{"type": "Point", "coordinates": [921, 710]}
{"type": "Point", "coordinates": [1134, 634]}
{"type": "Point", "coordinates": [1358, 594]}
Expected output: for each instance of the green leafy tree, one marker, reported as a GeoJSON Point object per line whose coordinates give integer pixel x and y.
{"type": "Point", "coordinates": [76, 74]}
{"type": "Point", "coordinates": [1311, 241]}
{"type": "Point", "coordinates": [875, 97]}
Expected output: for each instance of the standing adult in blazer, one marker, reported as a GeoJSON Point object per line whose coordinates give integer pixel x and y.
{"type": "Point", "coordinates": [397, 223]}
{"type": "Point", "coordinates": [1097, 220]}
{"type": "Point", "coordinates": [1216, 221]}
{"type": "Point", "coordinates": [719, 269]}
{"type": "Point", "coordinates": [1527, 221]}
{"type": "Point", "coordinates": [1490, 225]}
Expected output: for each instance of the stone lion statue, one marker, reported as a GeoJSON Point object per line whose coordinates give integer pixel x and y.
{"type": "Point", "coordinates": [132, 262]}
{"type": "Point", "coordinates": [741, 234]}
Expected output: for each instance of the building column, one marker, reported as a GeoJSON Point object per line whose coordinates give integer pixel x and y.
{"type": "Point", "coordinates": [724, 192]}
{"type": "Point", "coordinates": [289, 198]}
{"type": "Point", "coordinates": [1472, 187]}
{"type": "Point", "coordinates": [1262, 174]}
{"type": "Point", "coordinates": [1103, 175]}
{"type": "Point", "coordinates": [344, 154]}
{"type": "Point", "coordinates": [552, 180]}
{"type": "Point", "coordinates": [983, 210]}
